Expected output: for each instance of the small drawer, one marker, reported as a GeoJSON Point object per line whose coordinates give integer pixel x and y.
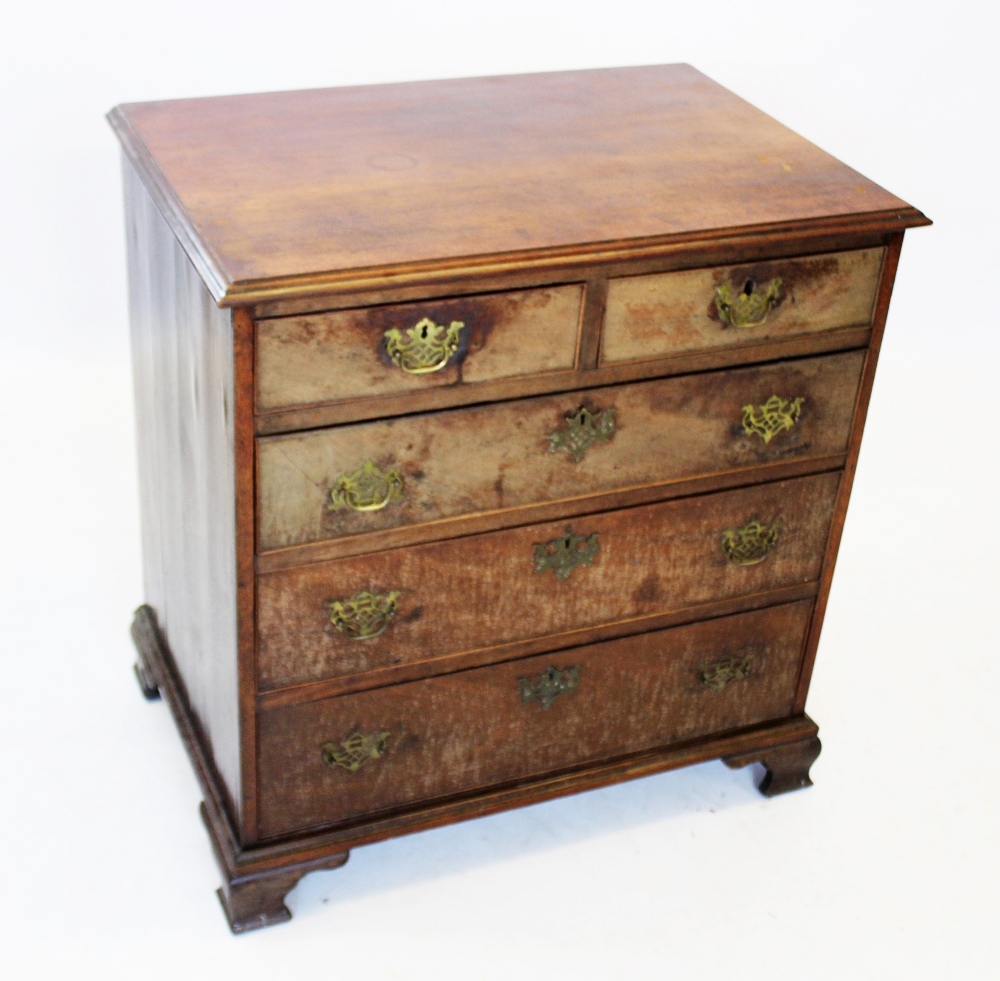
{"type": "Point", "coordinates": [389, 350]}
{"type": "Point", "coordinates": [656, 316]}
{"type": "Point", "coordinates": [507, 457]}
{"type": "Point", "coordinates": [328, 762]}
{"type": "Point", "coordinates": [410, 605]}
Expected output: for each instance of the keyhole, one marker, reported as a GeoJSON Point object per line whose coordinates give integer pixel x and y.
{"type": "Point", "coordinates": [748, 287]}
{"type": "Point", "coordinates": [423, 333]}
{"type": "Point", "coordinates": [568, 541]}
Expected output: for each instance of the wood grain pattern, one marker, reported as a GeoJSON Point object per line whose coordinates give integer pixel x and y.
{"type": "Point", "coordinates": [244, 472]}
{"type": "Point", "coordinates": [474, 729]}
{"type": "Point", "coordinates": [182, 355]}
{"type": "Point", "coordinates": [357, 410]}
{"type": "Point", "coordinates": [413, 671]}
{"type": "Point", "coordinates": [716, 248]}
{"type": "Point", "coordinates": [498, 458]}
{"type": "Point", "coordinates": [341, 355]}
{"type": "Point", "coordinates": [652, 316]}
{"type": "Point", "coordinates": [327, 848]}
{"type": "Point", "coordinates": [844, 494]}
{"type": "Point", "coordinates": [379, 181]}
{"type": "Point", "coordinates": [483, 590]}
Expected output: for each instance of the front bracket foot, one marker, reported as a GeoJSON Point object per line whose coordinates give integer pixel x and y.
{"type": "Point", "coordinates": [787, 766]}
{"type": "Point", "coordinates": [257, 899]}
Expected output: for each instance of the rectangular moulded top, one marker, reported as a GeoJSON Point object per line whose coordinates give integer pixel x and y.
{"type": "Point", "coordinates": [288, 193]}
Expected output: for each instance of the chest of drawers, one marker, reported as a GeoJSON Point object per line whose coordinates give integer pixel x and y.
{"type": "Point", "coordinates": [495, 437]}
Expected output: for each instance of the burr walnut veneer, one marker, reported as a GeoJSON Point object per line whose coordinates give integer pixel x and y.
{"type": "Point", "coordinates": [495, 437]}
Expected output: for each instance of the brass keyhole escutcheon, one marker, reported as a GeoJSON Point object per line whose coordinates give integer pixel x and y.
{"type": "Point", "coordinates": [426, 347]}
{"type": "Point", "coordinates": [750, 306]}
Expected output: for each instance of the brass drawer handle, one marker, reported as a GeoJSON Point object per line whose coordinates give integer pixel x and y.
{"type": "Point", "coordinates": [426, 347]}
{"type": "Point", "coordinates": [364, 616]}
{"type": "Point", "coordinates": [583, 429]}
{"type": "Point", "coordinates": [774, 416]}
{"type": "Point", "coordinates": [749, 307]}
{"type": "Point", "coordinates": [356, 750]}
{"type": "Point", "coordinates": [750, 544]}
{"type": "Point", "coordinates": [563, 554]}
{"type": "Point", "coordinates": [719, 674]}
{"type": "Point", "coordinates": [549, 685]}
{"type": "Point", "coordinates": [368, 488]}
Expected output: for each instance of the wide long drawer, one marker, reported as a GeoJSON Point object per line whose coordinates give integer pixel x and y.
{"type": "Point", "coordinates": [662, 314]}
{"type": "Point", "coordinates": [331, 761]}
{"type": "Point", "coordinates": [357, 479]}
{"type": "Point", "coordinates": [361, 614]}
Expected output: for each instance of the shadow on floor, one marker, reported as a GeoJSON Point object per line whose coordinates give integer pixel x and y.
{"type": "Point", "coordinates": [427, 855]}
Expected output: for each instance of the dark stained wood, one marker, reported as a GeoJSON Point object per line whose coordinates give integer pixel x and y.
{"type": "Point", "coordinates": [182, 351]}
{"type": "Point", "coordinates": [786, 767]}
{"type": "Point", "coordinates": [844, 494]}
{"type": "Point", "coordinates": [321, 216]}
{"type": "Point", "coordinates": [595, 297]}
{"type": "Point", "coordinates": [341, 356]}
{"type": "Point", "coordinates": [237, 859]}
{"type": "Point", "coordinates": [498, 459]}
{"type": "Point", "coordinates": [476, 729]}
{"type": "Point", "coordinates": [714, 249]}
{"type": "Point", "coordinates": [244, 460]}
{"type": "Point", "coordinates": [158, 660]}
{"type": "Point", "coordinates": [277, 191]}
{"type": "Point", "coordinates": [754, 352]}
{"type": "Point", "coordinates": [483, 590]}
{"type": "Point", "coordinates": [257, 899]}
{"type": "Point", "coordinates": [396, 674]}
{"type": "Point", "coordinates": [379, 541]}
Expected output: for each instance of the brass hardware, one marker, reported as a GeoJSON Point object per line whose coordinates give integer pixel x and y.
{"type": "Point", "coordinates": [426, 348]}
{"type": "Point", "coordinates": [366, 489]}
{"type": "Point", "coordinates": [771, 418]}
{"type": "Point", "coordinates": [750, 544]}
{"type": "Point", "coordinates": [718, 674]}
{"type": "Point", "coordinates": [365, 615]}
{"type": "Point", "coordinates": [549, 685]}
{"type": "Point", "coordinates": [356, 750]}
{"type": "Point", "coordinates": [583, 429]}
{"type": "Point", "coordinates": [562, 555]}
{"type": "Point", "coordinates": [749, 307]}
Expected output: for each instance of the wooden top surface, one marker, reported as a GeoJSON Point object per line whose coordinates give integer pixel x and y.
{"type": "Point", "coordinates": [283, 193]}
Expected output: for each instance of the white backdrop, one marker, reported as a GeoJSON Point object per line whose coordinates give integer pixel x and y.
{"type": "Point", "coordinates": [887, 868]}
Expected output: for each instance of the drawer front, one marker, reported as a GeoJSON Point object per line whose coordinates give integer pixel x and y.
{"type": "Point", "coordinates": [414, 604]}
{"type": "Point", "coordinates": [514, 455]}
{"type": "Point", "coordinates": [354, 354]}
{"type": "Point", "coordinates": [699, 309]}
{"type": "Point", "coordinates": [330, 761]}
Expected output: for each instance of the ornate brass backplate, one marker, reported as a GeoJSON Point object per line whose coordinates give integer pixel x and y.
{"type": "Point", "coordinates": [719, 674]}
{"type": "Point", "coordinates": [750, 544]}
{"type": "Point", "coordinates": [369, 488]}
{"type": "Point", "coordinates": [749, 307]}
{"type": "Point", "coordinates": [583, 429]}
{"type": "Point", "coordinates": [774, 416]}
{"type": "Point", "coordinates": [356, 750]}
{"type": "Point", "coordinates": [549, 685]}
{"type": "Point", "coordinates": [562, 555]}
{"type": "Point", "coordinates": [426, 347]}
{"type": "Point", "coordinates": [365, 615]}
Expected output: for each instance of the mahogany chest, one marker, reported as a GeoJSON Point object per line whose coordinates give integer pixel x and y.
{"type": "Point", "coordinates": [495, 437]}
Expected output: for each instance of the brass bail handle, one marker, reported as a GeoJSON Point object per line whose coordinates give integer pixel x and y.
{"type": "Point", "coordinates": [426, 347]}
{"type": "Point", "coordinates": [749, 307]}
{"type": "Point", "coordinates": [369, 488]}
